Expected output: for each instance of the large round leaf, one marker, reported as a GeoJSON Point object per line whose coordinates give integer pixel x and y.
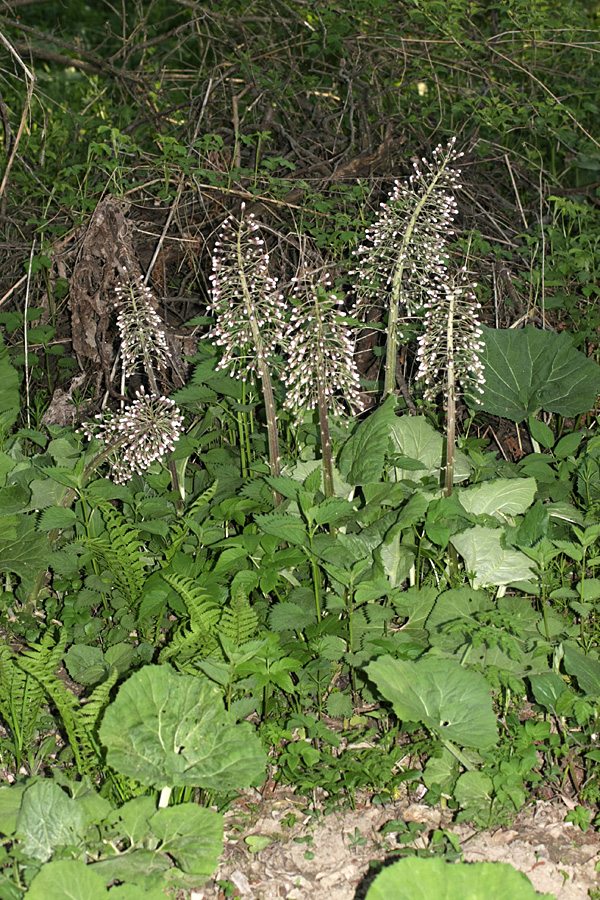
{"type": "Point", "coordinates": [167, 729]}
{"type": "Point", "coordinates": [453, 702]}
{"type": "Point", "coordinates": [528, 369]}
{"type": "Point", "coordinates": [66, 879]}
{"type": "Point", "coordinates": [435, 879]}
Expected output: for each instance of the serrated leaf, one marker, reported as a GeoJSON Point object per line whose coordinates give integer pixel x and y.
{"type": "Point", "coordinates": [56, 517]}
{"type": "Point", "coordinates": [330, 510]}
{"type": "Point", "coordinates": [288, 616]}
{"type": "Point", "coordinates": [283, 527]}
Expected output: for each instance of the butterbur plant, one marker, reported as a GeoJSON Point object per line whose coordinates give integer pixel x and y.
{"type": "Point", "coordinates": [321, 371]}
{"type": "Point", "coordinates": [405, 249]}
{"type": "Point", "coordinates": [449, 350]}
{"type": "Point", "coordinates": [151, 425]}
{"type": "Point", "coordinates": [142, 335]}
{"type": "Point", "coordinates": [144, 432]}
{"type": "Point", "coordinates": [249, 310]}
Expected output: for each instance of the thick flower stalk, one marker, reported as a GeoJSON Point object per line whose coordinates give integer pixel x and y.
{"type": "Point", "coordinates": [249, 312]}
{"type": "Point", "coordinates": [145, 431]}
{"type": "Point", "coordinates": [405, 248]}
{"type": "Point", "coordinates": [321, 369]}
{"type": "Point", "coordinates": [449, 351]}
{"type": "Point", "coordinates": [142, 334]}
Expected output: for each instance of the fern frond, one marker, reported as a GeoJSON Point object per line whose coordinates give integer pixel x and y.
{"type": "Point", "coordinates": [120, 552]}
{"type": "Point", "coordinates": [198, 637]}
{"type": "Point", "coordinates": [86, 750]}
{"type": "Point", "coordinates": [93, 709]}
{"type": "Point", "coordinates": [181, 529]}
{"type": "Point", "coordinates": [21, 698]}
{"type": "Point", "coordinates": [239, 620]}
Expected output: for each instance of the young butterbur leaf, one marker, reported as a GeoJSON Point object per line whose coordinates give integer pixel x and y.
{"type": "Point", "coordinates": [165, 729]}
{"type": "Point", "coordinates": [452, 702]}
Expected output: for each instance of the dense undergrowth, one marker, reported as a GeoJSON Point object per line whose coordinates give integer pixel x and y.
{"type": "Point", "coordinates": [292, 489]}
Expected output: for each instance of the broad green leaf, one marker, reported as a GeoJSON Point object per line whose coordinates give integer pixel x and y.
{"type": "Point", "coordinates": [144, 867]}
{"type": "Point", "coordinates": [528, 369]}
{"type": "Point", "coordinates": [396, 559]}
{"type": "Point", "coordinates": [488, 561]}
{"type": "Point", "coordinates": [568, 445]}
{"type": "Point", "coordinates": [191, 835]}
{"type": "Point", "coordinates": [131, 820]}
{"type": "Point", "coordinates": [86, 664]}
{"type": "Point", "coordinates": [10, 379]}
{"type": "Point", "coordinates": [49, 818]}
{"type": "Point", "coordinates": [547, 689]}
{"type": "Point", "coordinates": [453, 702]}
{"type": "Point", "coordinates": [27, 553]}
{"type": "Point", "coordinates": [442, 770]}
{"type": "Point", "coordinates": [541, 432]}
{"type": "Point", "coordinates": [10, 805]}
{"type": "Point", "coordinates": [474, 792]}
{"type": "Point", "coordinates": [414, 437]}
{"type": "Point", "coordinates": [283, 527]}
{"type": "Point", "coordinates": [586, 669]}
{"type": "Point", "coordinates": [435, 879]}
{"type": "Point", "coordinates": [500, 498]}
{"type": "Point", "coordinates": [362, 458]}
{"type": "Point", "coordinates": [457, 605]}
{"type": "Point", "coordinates": [136, 892]}
{"type": "Point", "coordinates": [67, 879]}
{"type": "Point", "coordinates": [166, 729]}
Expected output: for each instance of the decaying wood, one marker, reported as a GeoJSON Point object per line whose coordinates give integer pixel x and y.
{"type": "Point", "coordinates": [106, 252]}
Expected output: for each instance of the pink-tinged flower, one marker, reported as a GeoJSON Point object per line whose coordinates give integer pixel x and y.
{"type": "Point", "coordinates": [144, 432]}
{"type": "Point", "coordinates": [249, 309]}
{"type": "Point", "coordinates": [320, 349]}
{"type": "Point", "coordinates": [451, 337]}
{"type": "Point", "coordinates": [142, 332]}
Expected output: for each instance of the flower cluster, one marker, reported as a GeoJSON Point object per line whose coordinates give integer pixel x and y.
{"type": "Point", "coordinates": [451, 335]}
{"type": "Point", "coordinates": [143, 433]}
{"type": "Point", "coordinates": [141, 329]}
{"type": "Point", "coordinates": [406, 245]}
{"type": "Point", "coordinates": [249, 310]}
{"type": "Point", "coordinates": [320, 351]}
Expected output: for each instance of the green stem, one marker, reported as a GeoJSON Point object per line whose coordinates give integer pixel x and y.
{"type": "Point", "coordinates": [325, 438]}
{"type": "Point", "coordinates": [263, 368]}
{"type": "Point", "coordinates": [397, 291]}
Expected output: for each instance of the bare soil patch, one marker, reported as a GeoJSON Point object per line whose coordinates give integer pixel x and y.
{"type": "Point", "coordinates": [312, 856]}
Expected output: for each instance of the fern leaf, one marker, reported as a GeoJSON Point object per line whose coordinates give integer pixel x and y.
{"type": "Point", "coordinates": [199, 639]}
{"type": "Point", "coordinates": [120, 552]}
{"type": "Point", "coordinates": [188, 524]}
{"type": "Point", "coordinates": [85, 748]}
{"type": "Point", "coordinates": [239, 620]}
